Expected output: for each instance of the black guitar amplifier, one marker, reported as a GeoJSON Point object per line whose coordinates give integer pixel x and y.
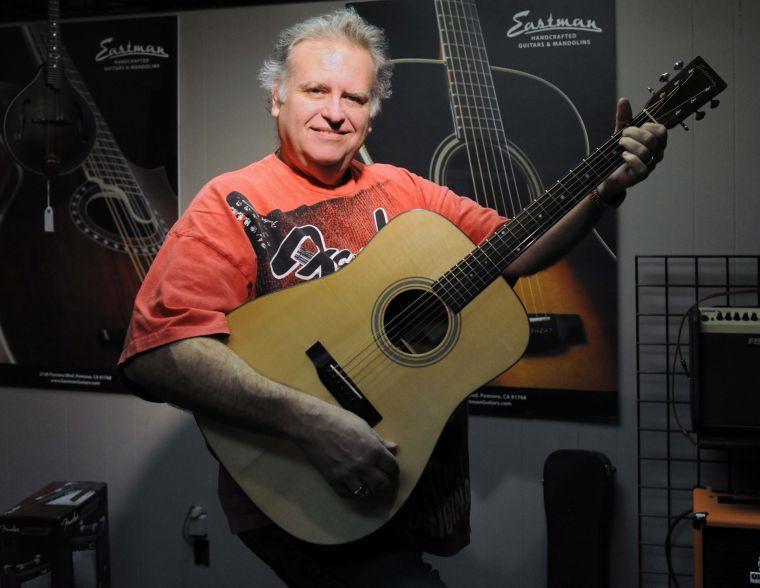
{"type": "Point", "coordinates": [725, 370]}
{"type": "Point", "coordinates": [726, 540]}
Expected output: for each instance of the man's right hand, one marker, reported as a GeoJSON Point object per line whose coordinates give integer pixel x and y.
{"type": "Point", "coordinates": [349, 454]}
{"type": "Point", "coordinates": [343, 447]}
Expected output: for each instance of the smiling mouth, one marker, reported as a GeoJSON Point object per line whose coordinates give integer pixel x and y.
{"type": "Point", "coordinates": [330, 132]}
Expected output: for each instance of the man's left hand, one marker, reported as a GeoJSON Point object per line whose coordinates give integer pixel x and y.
{"type": "Point", "coordinates": [643, 148]}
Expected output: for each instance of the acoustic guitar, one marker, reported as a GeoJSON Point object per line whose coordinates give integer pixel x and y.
{"type": "Point", "coordinates": [401, 346]}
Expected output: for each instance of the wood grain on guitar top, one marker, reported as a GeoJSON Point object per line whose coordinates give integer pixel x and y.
{"type": "Point", "coordinates": [273, 332]}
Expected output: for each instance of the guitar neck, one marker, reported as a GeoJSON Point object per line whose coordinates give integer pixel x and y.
{"type": "Point", "coordinates": [474, 106]}
{"type": "Point", "coordinates": [53, 73]}
{"type": "Point", "coordinates": [468, 278]}
{"type": "Point", "coordinates": [106, 161]}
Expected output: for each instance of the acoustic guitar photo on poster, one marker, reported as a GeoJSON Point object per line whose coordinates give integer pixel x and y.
{"type": "Point", "coordinates": [500, 135]}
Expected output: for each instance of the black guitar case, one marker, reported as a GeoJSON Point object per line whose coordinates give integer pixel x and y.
{"type": "Point", "coordinates": [578, 487]}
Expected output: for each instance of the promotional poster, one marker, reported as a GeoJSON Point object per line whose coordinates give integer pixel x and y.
{"type": "Point", "coordinates": [88, 184]}
{"type": "Point", "coordinates": [498, 101]}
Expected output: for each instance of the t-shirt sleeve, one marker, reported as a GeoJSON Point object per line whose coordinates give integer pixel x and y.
{"type": "Point", "coordinates": [204, 270]}
{"type": "Point", "coordinates": [474, 220]}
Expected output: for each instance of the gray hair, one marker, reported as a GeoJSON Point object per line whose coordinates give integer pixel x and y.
{"type": "Point", "coordinates": [341, 24]}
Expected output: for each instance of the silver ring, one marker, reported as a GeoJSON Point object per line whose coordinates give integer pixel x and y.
{"type": "Point", "coordinates": [362, 491]}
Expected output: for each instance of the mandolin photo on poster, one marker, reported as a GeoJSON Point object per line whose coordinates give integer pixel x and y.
{"type": "Point", "coordinates": [88, 190]}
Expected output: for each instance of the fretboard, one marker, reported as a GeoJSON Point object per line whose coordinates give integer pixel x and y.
{"type": "Point", "coordinates": [468, 278]}
{"type": "Point", "coordinates": [106, 161]}
{"type": "Point", "coordinates": [53, 45]}
{"type": "Point", "coordinates": [475, 108]}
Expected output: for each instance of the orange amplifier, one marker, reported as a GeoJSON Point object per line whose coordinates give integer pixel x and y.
{"type": "Point", "coordinates": [726, 539]}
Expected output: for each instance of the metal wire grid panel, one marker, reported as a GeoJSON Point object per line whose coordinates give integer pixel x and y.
{"type": "Point", "coordinates": [669, 465]}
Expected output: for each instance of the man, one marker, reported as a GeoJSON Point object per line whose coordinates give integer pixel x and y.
{"type": "Point", "coordinates": [296, 215]}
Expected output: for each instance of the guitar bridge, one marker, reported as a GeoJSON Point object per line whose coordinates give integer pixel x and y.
{"type": "Point", "coordinates": [340, 385]}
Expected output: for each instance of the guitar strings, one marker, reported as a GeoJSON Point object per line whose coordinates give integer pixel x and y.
{"type": "Point", "coordinates": [491, 144]}
{"type": "Point", "coordinates": [359, 371]}
{"type": "Point", "coordinates": [37, 35]}
{"type": "Point", "coordinates": [497, 152]}
{"type": "Point", "coordinates": [102, 170]}
{"type": "Point", "coordinates": [493, 151]}
{"type": "Point", "coordinates": [599, 153]}
{"type": "Point", "coordinates": [358, 365]}
{"type": "Point", "coordinates": [472, 142]}
{"type": "Point", "coordinates": [124, 215]}
{"type": "Point", "coordinates": [464, 109]}
{"type": "Point", "coordinates": [138, 237]}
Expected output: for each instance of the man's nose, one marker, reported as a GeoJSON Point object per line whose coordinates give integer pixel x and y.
{"type": "Point", "coordinates": [333, 110]}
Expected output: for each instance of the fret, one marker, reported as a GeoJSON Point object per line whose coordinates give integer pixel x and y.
{"type": "Point", "coordinates": [463, 66]}
{"type": "Point", "coordinates": [473, 128]}
{"type": "Point", "coordinates": [449, 19]}
{"type": "Point", "coordinates": [471, 103]}
{"type": "Point", "coordinates": [486, 87]}
{"type": "Point", "coordinates": [466, 62]}
{"type": "Point", "coordinates": [461, 45]}
{"type": "Point", "coordinates": [476, 78]}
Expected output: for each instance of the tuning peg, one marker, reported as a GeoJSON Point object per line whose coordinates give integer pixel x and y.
{"type": "Point", "coordinates": [685, 128]}
{"type": "Point", "coordinates": [678, 65]}
{"type": "Point", "coordinates": [665, 77]}
{"type": "Point", "coordinates": [651, 90]}
{"type": "Point", "coordinates": [714, 103]}
{"type": "Point", "coordinates": [700, 115]}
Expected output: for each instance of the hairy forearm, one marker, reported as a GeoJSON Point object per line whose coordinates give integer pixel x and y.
{"type": "Point", "coordinates": [557, 241]}
{"type": "Point", "coordinates": [203, 375]}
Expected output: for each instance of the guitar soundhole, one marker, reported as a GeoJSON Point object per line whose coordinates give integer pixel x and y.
{"type": "Point", "coordinates": [416, 322]}
{"type": "Point", "coordinates": [110, 215]}
{"type": "Point", "coordinates": [116, 220]}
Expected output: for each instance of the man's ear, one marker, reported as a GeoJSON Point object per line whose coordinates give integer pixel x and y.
{"type": "Point", "coordinates": [276, 103]}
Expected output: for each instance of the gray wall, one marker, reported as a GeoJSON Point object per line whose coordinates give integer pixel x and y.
{"type": "Point", "coordinates": [702, 199]}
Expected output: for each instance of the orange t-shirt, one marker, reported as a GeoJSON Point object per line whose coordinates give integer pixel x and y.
{"type": "Point", "coordinates": [263, 228]}
{"type": "Point", "coordinates": [214, 258]}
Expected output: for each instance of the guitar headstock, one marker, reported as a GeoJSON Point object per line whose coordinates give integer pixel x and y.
{"type": "Point", "coordinates": [693, 86]}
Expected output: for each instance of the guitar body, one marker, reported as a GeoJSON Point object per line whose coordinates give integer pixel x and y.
{"type": "Point", "coordinates": [66, 296]}
{"type": "Point", "coordinates": [422, 140]}
{"type": "Point", "coordinates": [414, 392]}
{"type": "Point", "coordinates": [45, 124]}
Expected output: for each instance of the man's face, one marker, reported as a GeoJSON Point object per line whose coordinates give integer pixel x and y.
{"type": "Point", "coordinates": [326, 116]}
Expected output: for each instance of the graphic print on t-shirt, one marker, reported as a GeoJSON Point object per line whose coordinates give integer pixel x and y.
{"type": "Point", "coordinates": [310, 241]}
